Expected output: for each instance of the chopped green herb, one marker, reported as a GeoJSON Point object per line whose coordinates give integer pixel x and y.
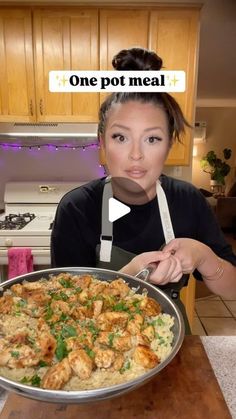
{"type": "Point", "coordinates": [111, 338]}
{"type": "Point", "coordinates": [68, 331]}
{"type": "Point", "coordinates": [49, 312]}
{"type": "Point", "coordinates": [89, 352]}
{"type": "Point", "coordinates": [66, 283]}
{"type": "Point", "coordinates": [120, 307]}
{"type": "Point", "coordinates": [15, 354]}
{"type": "Point", "coordinates": [42, 364]}
{"type": "Point", "coordinates": [35, 380]}
{"type": "Point", "coordinates": [125, 367]}
{"type": "Point", "coordinates": [61, 349]}
{"type": "Point", "coordinates": [25, 380]}
{"type": "Point", "coordinates": [64, 317]}
{"type": "Point", "coordinates": [78, 289]}
{"type": "Point", "coordinates": [94, 330]}
{"type": "Point", "coordinates": [21, 303]}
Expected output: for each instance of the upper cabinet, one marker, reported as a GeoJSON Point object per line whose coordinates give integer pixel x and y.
{"type": "Point", "coordinates": [17, 93]}
{"type": "Point", "coordinates": [65, 39]}
{"type": "Point", "coordinates": [34, 41]}
{"type": "Point", "coordinates": [174, 36]}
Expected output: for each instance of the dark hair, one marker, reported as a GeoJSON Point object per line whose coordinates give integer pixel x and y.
{"type": "Point", "coordinates": [143, 59]}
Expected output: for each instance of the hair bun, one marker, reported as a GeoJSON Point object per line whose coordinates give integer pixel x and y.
{"type": "Point", "coordinates": [136, 59]}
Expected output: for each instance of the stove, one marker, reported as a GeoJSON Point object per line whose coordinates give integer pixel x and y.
{"type": "Point", "coordinates": [29, 213]}
{"type": "Point", "coordinates": [16, 221]}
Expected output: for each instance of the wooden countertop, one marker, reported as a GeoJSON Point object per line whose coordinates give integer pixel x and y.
{"type": "Point", "coordinates": [186, 388]}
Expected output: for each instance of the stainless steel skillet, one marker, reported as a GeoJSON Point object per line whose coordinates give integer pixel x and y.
{"type": "Point", "coordinates": [62, 396]}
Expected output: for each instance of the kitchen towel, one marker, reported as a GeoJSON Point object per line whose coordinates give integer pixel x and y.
{"type": "Point", "coordinates": [20, 261]}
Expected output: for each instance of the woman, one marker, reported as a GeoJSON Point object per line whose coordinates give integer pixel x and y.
{"type": "Point", "coordinates": [137, 131]}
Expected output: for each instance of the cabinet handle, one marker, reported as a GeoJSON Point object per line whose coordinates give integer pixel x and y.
{"type": "Point", "coordinates": [31, 108]}
{"type": "Point", "coordinates": [41, 106]}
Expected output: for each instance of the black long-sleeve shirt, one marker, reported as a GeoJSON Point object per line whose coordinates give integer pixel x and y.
{"type": "Point", "coordinates": [77, 227]}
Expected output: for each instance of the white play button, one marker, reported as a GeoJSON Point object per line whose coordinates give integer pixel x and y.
{"type": "Point", "coordinates": [117, 210]}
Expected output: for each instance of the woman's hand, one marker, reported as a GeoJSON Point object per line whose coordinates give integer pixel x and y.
{"type": "Point", "coordinates": [178, 257]}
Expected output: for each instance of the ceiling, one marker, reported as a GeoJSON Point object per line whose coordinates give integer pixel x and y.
{"type": "Point", "coordinates": [217, 49]}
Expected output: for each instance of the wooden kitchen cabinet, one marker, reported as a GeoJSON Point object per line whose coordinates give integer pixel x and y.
{"type": "Point", "coordinates": [174, 36]}
{"type": "Point", "coordinates": [17, 93]}
{"type": "Point", "coordinates": [65, 39]}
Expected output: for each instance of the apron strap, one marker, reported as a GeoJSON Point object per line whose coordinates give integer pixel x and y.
{"type": "Point", "coordinates": [107, 227]}
{"type": "Point", "coordinates": [106, 237]}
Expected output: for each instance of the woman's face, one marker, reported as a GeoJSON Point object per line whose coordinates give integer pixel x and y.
{"type": "Point", "coordinates": [136, 144]}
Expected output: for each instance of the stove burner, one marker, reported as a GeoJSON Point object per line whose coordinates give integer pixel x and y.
{"type": "Point", "coordinates": [16, 221]}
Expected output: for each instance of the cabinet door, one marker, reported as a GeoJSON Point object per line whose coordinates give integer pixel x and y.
{"type": "Point", "coordinates": [17, 102]}
{"type": "Point", "coordinates": [65, 39]}
{"type": "Point", "coordinates": [174, 36]}
{"type": "Point", "coordinates": [120, 29]}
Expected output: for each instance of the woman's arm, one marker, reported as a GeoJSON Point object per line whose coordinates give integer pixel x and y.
{"type": "Point", "coordinates": [185, 255]}
{"type": "Point", "coordinates": [218, 274]}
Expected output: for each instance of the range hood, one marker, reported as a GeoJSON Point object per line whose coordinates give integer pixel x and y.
{"type": "Point", "coordinates": [48, 131]}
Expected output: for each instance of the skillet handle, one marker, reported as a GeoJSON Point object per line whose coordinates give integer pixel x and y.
{"type": "Point", "coordinates": [145, 273]}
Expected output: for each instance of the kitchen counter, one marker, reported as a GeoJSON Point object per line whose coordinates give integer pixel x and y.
{"type": "Point", "coordinates": [187, 387]}
{"type": "Point", "coordinates": [221, 351]}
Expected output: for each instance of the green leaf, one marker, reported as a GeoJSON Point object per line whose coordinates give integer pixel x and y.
{"type": "Point", "coordinates": [49, 312]}
{"type": "Point", "coordinates": [66, 283]}
{"type": "Point", "coordinates": [125, 367]}
{"type": "Point", "coordinates": [36, 380]}
{"type": "Point", "coordinates": [89, 352]}
{"type": "Point", "coordinates": [120, 307]}
{"type": "Point", "coordinates": [61, 349]}
{"type": "Point", "coordinates": [42, 364]}
{"type": "Point", "coordinates": [15, 354]}
{"type": "Point", "coordinates": [111, 338]}
{"type": "Point", "coordinates": [68, 331]}
{"type": "Point", "coordinates": [21, 303]}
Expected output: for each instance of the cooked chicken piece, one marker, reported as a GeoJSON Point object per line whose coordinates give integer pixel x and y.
{"type": "Point", "coordinates": [83, 296]}
{"type": "Point", "coordinates": [97, 289]}
{"type": "Point", "coordinates": [119, 343]}
{"type": "Point", "coordinates": [141, 340]}
{"type": "Point", "coordinates": [122, 343]}
{"type": "Point", "coordinates": [33, 286]}
{"type": "Point", "coordinates": [104, 358]}
{"type": "Point", "coordinates": [4, 343]}
{"type": "Point", "coordinates": [17, 289]}
{"type": "Point", "coordinates": [57, 376]}
{"type": "Point", "coordinates": [134, 325]}
{"type": "Point", "coordinates": [38, 297]}
{"type": "Point", "coordinates": [33, 310]}
{"type": "Point", "coordinates": [146, 357]}
{"type": "Point", "coordinates": [73, 343]}
{"type": "Point", "coordinates": [42, 325]}
{"type": "Point", "coordinates": [61, 306]}
{"type": "Point", "coordinates": [82, 281]}
{"type": "Point", "coordinates": [82, 312]}
{"type": "Point", "coordinates": [121, 288]}
{"type": "Point", "coordinates": [80, 363]}
{"type": "Point", "coordinates": [19, 357]}
{"type": "Point", "coordinates": [85, 336]}
{"type": "Point", "coordinates": [19, 338]}
{"type": "Point", "coordinates": [118, 363]}
{"type": "Point", "coordinates": [150, 307]}
{"type": "Point", "coordinates": [107, 321]}
{"type": "Point", "coordinates": [149, 332]}
{"type": "Point", "coordinates": [6, 303]}
{"type": "Point", "coordinates": [47, 344]}
{"type": "Point", "coordinates": [97, 308]}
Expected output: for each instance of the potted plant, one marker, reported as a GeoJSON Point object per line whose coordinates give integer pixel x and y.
{"type": "Point", "coordinates": [216, 167]}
